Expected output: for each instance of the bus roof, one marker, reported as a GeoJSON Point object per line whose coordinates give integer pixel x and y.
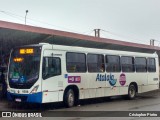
{"type": "Point", "coordinates": [95, 50]}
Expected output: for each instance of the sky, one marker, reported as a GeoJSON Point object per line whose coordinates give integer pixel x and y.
{"type": "Point", "coordinates": [135, 21]}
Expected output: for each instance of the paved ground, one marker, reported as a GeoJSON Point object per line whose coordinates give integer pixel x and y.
{"type": "Point", "coordinates": [144, 102]}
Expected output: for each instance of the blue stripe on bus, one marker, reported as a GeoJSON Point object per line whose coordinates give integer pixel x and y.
{"type": "Point", "coordinates": [31, 98]}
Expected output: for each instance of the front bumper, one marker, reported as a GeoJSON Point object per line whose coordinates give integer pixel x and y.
{"type": "Point", "coordinates": [30, 98]}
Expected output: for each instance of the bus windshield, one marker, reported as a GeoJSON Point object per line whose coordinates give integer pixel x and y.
{"type": "Point", "coordinates": [24, 67]}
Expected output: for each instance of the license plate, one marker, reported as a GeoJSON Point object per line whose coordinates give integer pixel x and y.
{"type": "Point", "coordinates": [18, 100]}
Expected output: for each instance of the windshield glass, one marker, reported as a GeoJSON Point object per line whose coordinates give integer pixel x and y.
{"type": "Point", "coordinates": [24, 67]}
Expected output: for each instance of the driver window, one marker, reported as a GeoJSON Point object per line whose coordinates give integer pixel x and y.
{"type": "Point", "coordinates": [51, 67]}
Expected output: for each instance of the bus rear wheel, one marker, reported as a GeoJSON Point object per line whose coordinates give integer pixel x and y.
{"type": "Point", "coordinates": [69, 98]}
{"type": "Point", "coordinates": [131, 92]}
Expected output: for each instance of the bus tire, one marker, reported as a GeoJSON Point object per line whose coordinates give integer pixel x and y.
{"type": "Point", "coordinates": [69, 98]}
{"type": "Point", "coordinates": [132, 92]}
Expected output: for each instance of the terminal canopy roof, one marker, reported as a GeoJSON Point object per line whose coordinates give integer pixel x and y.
{"type": "Point", "coordinates": [12, 35]}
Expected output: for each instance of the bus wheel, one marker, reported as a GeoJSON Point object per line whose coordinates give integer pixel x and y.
{"type": "Point", "coordinates": [69, 99]}
{"type": "Point", "coordinates": [131, 92]}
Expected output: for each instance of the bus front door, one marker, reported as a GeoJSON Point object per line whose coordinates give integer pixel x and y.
{"type": "Point", "coordinates": [52, 80]}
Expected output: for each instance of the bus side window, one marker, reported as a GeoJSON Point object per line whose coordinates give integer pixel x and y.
{"type": "Point", "coordinates": [95, 63]}
{"type": "Point", "coordinates": [51, 67]}
{"type": "Point", "coordinates": [75, 62]}
{"type": "Point", "coordinates": [141, 64]}
{"type": "Point", "coordinates": [113, 63]}
{"type": "Point", "coordinates": [151, 65]}
{"type": "Point", "coordinates": [127, 63]}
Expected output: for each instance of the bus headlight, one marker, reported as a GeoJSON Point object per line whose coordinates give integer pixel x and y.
{"type": "Point", "coordinates": [34, 90]}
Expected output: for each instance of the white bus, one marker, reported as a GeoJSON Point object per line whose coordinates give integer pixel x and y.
{"type": "Point", "coordinates": [45, 73]}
